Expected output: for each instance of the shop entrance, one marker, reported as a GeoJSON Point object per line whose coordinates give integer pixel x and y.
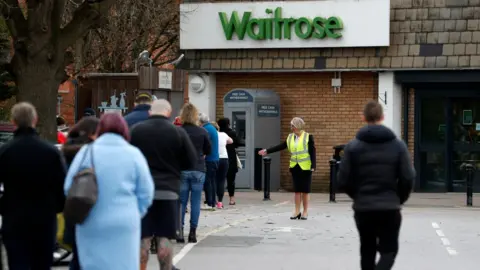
{"type": "Point", "coordinates": [447, 134]}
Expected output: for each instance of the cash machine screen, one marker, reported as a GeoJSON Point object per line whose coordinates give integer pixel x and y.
{"type": "Point", "coordinates": [239, 126]}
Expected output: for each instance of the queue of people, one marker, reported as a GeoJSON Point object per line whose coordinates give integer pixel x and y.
{"type": "Point", "coordinates": [158, 167]}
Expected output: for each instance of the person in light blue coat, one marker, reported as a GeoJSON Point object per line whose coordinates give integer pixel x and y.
{"type": "Point", "coordinates": [110, 237]}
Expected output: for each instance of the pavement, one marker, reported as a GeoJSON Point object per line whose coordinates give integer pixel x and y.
{"type": "Point", "coordinates": [438, 232]}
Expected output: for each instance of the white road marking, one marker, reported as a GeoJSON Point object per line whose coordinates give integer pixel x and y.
{"type": "Point", "coordinates": [287, 229]}
{"type": "Point", "coordinates": [446, 243]}
{"type": "Point", "coordinates": [282, 203]}
{"type": "Point", "coordinates": [184, 251]}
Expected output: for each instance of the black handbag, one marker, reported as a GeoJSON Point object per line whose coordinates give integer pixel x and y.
{"type": "Point", "coordinates": [83, 193]}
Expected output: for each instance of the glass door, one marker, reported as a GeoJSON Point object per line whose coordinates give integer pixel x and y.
{"type": "Point", "coordinates": [432, 144]}
{"type": "Point", "coordinates": [466, 140]}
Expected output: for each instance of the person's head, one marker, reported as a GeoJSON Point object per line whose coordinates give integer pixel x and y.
{"type": "Point", "coordinates": [215, 125]}
{"type": "Point", "coordinates": [113, 123]}
{"type": "Point", "coordinates": [189, 114]}
{"type": "Point", "coordinates": [24, 115]}
{"type": "Point", "coordinates": [297, 124]}
{"type": "Point", "coordinates": [89, 112]}
{"type": "Point", "coordinates": [223, 123]}
{"type": "Point", "coordinates": [373, 112]}
{"type": "Point", "coordinates": [161, 107]}
{"type": "Point", "coordinates": [86, 129]}
{"type": "Point", "coordinates": [143, 98]}
{"type": "Point", "coordinates": [203, 118]}
{"type": "Point", "coordinates": [61, 121]}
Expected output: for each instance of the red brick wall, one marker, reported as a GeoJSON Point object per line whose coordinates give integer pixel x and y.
{"type": "Point", "coordinates": [331, 118]}
{"type": "Point", "coordinates": [67, 108]}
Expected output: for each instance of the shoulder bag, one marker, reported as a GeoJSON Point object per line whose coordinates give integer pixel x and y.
{"type": "Point", "coordinates": [83, 193]}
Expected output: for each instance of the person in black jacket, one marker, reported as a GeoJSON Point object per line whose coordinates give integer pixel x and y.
{"type": "Point", "coordinates": [141, 111]}
{"type": "Point", "coordinates": [168, 150]}
{"type": "Point", "coordinates": [33, 173]}
{"type": "Point", "coordinates": [303, 159]}
{"type": "Point", "coordinates": [224, 124]}
{"type": "Point", "coordinates": [377, 173]}
{"type": "Point", "coordinates": [193, 178]}
{"type": "Point", "coordinates": [82, 133]}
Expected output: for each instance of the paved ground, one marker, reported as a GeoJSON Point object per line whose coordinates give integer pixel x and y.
{"type": "Point", "coordinates": [438, 233]}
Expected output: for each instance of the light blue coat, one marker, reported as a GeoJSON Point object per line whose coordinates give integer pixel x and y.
{"type": "Point", "coordinates": [110, 237]}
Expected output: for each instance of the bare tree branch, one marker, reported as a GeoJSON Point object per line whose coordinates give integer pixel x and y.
{"type": "Point", "coordinates": [16, 22]}
{"type": "Point", "coordinates": [84, 18]}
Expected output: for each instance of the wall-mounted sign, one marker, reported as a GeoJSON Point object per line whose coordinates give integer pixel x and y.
{"type": "Point", "coordinates": [467, 117]}
{"type": "Point", "coordinates": [114, 107]}
{"type": "Point", "coordinates": [268, 110]}
{"type": "Point", "coordinates": [165, 79]}
{"type": "Point", "coordinates": [238, 96]}
{"type": "Point", "coordinates": [279, 27]}
{"type": "Point", "coordinates": [287, 24]}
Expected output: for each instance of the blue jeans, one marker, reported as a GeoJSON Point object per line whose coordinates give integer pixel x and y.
{"type": "Point", "coordinates": [210, 183]}
{"type": "Point", "coordinates": [192, 182]}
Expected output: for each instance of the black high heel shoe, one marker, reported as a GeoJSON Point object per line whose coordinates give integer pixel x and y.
{"type": "Point", "coordinates": [303, 217]}
{"type": "Point", "coordinates": [296, 217]}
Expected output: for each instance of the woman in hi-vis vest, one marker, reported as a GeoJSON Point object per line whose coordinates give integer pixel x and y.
{"type": "Point", "coordinates": [301, 146]}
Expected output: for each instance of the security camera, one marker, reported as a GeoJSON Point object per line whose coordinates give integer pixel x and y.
{"type": "Point", "coordinates": [144, 55]}
{"type": "Point", "coordinates": [178, 60]}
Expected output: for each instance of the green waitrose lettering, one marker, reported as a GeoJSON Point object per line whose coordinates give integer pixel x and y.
{"type": "Point", "coordinates": [278, 27]}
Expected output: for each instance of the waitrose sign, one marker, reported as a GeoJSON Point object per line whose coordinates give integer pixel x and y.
{"type": "Point", "coordinates": [278, 27]}
{"type": "Point", "coordinates": [299, 24]}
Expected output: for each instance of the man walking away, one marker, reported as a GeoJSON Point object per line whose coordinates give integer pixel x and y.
{"type": "Point", "coordinates": [33, 172]}
{"type": "Point", "coordinates": [377, 173]}
{"type": "Point", "coordinates": [140, 112]}
{"type": "Point", "coordinates": [211, 162]}
{"type": "Point", "coordinates": [169, 151]}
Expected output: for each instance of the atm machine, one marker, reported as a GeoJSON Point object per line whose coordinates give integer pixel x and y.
{"type": "Point", "coordinates": [255, 116]}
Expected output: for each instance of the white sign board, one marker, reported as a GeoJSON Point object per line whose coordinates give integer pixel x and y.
{"type": "Point", "coordinates": [290, 24]}
{"type": "Point", "coordinates": [165, 80]}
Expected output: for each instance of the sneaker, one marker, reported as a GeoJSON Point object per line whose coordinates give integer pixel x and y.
{"type": "Point", "coordinates": [220, 205]}
{"type": "Point", "coordinates": [205, 207]}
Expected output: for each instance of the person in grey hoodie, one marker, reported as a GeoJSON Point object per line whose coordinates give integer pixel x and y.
{"type": "Point", "coordinates": [376, 172]}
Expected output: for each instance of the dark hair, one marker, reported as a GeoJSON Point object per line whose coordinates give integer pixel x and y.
{"type": "Point", "coordinates": [61, 121]}
{"type": "Point", "coordinates": [223, 123]}
{"type": "Point", "coordinates": [143, 98]}
{"type": "Point", "coordinates": [113, 123]}
{"type": "Point", "coordinates": [89, 112]}
{"type": "Point", "coordinates": [86, 127]}
{"type": "Point", "coordinates": [373, 111]}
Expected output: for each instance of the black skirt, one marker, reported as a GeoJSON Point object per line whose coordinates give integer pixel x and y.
{"type": "Point", "coordinates": [302, 180]}
{"type": "Point", "coordinates": [161, 219]}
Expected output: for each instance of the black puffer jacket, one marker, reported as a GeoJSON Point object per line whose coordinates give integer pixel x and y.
{"type": "Point", "coordinates": [376, 170]}
{"type": "Point", "coordinates": [72, 146]}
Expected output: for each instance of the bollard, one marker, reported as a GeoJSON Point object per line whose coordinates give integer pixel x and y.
{"type": "Point", "coordinates": [333, 178]}
{"type": "Point", "coordinates": [470, 169]}
{"type": "Point", "coordinates": [266, 184]}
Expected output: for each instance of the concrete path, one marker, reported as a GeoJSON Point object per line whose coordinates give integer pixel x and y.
{"type": "Point", "coordinates": [438, 233]}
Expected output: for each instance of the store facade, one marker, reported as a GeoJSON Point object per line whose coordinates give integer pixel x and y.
{"type": "Point", "coordinates": [325, 59]}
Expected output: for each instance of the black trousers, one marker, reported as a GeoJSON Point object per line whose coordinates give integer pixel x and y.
{"type": "Point", "coordinates": [30, 246]}
{"type": "Point", "coordinates": [231, 174]}
{"type": "Point", "coordinates": [220, 178]}
{"type": "Point", "coordinates": [379, 231]}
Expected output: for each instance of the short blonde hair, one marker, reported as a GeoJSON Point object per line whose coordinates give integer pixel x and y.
{"type": "Point", "coordinates": [215, 125]}
{"type": "Point", "coordinates": [298, 123]}
{"type": "Point", "coordinates": [189, 114]}
{"type": "Point", "coordinates": [24, 114]}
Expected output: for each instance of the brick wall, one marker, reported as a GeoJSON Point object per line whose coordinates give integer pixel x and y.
{"type": "Point", "coordinates": [411, 121]}
{"type": "Point", "coordinates": [332, 118]}
{"type": "Point", "coordinates": [67, 107]}
{"type": "Point", "coordinates": [423, 34]}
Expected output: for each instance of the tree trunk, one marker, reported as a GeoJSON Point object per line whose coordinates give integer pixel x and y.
{"type": "Point", "coordinates": [38, 85]}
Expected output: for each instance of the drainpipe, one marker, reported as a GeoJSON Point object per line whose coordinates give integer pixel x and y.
{"type": "Point", "coordinates": [406, 99]}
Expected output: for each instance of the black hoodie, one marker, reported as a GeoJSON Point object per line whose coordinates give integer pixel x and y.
{"type": "Point", "coordinates": [376, 170]}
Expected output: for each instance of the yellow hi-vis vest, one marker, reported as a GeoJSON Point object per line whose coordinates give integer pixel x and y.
{"type": "Point", "coordinates": [299, 151]}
